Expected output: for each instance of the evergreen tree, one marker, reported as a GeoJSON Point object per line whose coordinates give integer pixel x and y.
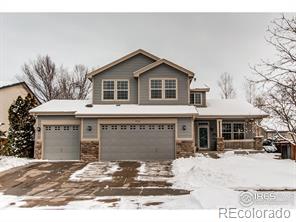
{"type": "Point", "coordinates": [21, 132]}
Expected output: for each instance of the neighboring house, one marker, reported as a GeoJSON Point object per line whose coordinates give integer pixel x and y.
{"type": "Point", "coordinates": [143, 108]}
{"type": "Point", "coordinates": [272, 128]}
{"type": "Point", "coordinates": [9, 92]}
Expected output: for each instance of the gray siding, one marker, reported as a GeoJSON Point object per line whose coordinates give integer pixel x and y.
{"type": "Point", "coordinates": [164, 71]}
{"type": "Point", "coordinates": [184, 133]}
{"type": "Point", "coordinates": [123, 70]}
{"type": "Point", "coordinates": [93, 124]}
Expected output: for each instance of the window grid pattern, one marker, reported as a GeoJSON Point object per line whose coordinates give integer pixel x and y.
{"type": "Point", "coordinates": [163, 88]}
{"type": "Point", "coordinates": [115, 89]}
{"type": "Point", "coordinates": [196, 98]}
{"type": "Point", "coordinates": [233, 131]}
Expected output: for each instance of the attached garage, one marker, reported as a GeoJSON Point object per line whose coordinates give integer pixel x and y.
{"type": "Point", "coordinates": [62, 142]}
{"type": "Point", "coordinates": [137, 141]}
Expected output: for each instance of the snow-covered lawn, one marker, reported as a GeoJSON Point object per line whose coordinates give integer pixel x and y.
{"type": "Point", "coordinates": [253, 171]}
{"type": "Point", "coordinates": [8, 162]}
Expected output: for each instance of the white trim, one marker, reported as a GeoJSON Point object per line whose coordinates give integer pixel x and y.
{"type": "Point", "coordinates": [115, 90]}
{"type": "Point", "coordinates": [163, 89]}
{"type": "Point", "coordinates": [205, 127]}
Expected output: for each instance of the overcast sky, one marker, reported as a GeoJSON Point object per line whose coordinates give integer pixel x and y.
{"type": "Point", "coordinates": [207, 44]}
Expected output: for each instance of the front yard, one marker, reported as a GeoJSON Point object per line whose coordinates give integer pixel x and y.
{"type": "Point", "coordinates": [192, 183]}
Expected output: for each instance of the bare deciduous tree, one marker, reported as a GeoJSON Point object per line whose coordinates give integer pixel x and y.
{"type": "Point", "coordinates": [41, 75]}
{"type": "Point", "coordinates": [49, 82]}
{"type": "Point", "coordinates": [278, 78]}
{"type": "Point", "coordinates": [225, 84]}
{"type": "Point", "coordinates": [250, 91]}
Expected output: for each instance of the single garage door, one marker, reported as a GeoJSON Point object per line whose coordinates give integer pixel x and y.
{"type": "Point", "coordinates": [62, 142]}
{"type": "Point", "coordinates": [138, 142]}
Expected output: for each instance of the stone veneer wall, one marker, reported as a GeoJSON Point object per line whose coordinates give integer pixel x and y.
{"type": "Point", "coordinates": [89, 151]}
{"type": "Point", "coordinates": [185, 148]}
{"type": "Point", "coordinates": [38, 150]}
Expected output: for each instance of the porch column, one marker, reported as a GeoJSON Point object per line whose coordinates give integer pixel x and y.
{"type": "Point", "coordinates": [258, 140]}
{"type": "Point", "coordinates": [220, 139]}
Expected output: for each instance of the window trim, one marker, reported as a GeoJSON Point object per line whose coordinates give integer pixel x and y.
{"type": "Point", "coordinates": [163, 89]}
{"type": "Point", "coordinates": [115, 90]}
{"type": "Point", "coordinates": [201, 98]}
{"type": "Point", "coordinates": [232, 130]}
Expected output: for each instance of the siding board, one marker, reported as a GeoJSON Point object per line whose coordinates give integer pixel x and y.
{"type": "Point", "coordinates": [164, 71]}
{"type": "Point", "coordinates": [123, 70]}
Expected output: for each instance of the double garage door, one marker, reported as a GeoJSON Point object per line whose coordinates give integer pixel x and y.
{"type": "Point", "coordinates": [117, 142]}
{"type": "Point", "coordinates": [137, 142]}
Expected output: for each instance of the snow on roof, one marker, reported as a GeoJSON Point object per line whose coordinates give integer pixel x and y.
{"type": "Point", "coordinates": [273, 124]}
{"type": "Point", "coordinates": [60, 106]}
{"type": "Point", "coordinates": [6, 83]}
{"type": "Point", "coordinates": [196, 84]}
{"type": "Point", "coordinates": [78, 107]}
{"type": "Point", "coordinates": [134, 109]}
{"type": "Point", "coordinates": [215, 108]}
{"type": "Point", "coordinates": [229, 107]}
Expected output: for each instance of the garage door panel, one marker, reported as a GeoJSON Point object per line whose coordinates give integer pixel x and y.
{"type": "Point", "coordinates": [137, 142]}
{"type": "Point", "coordinates": [62, 142]}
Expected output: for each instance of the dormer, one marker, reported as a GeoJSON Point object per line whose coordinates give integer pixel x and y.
{"type": "Point", "coordinates": [198, 93]}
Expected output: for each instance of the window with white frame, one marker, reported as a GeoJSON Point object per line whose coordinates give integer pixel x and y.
{"type": "Point", "coordinates": [196, 98]}
{"type": "Point", "coordinates": [163, 88]}
{"type": "Point", "coordinates": [156, 88]}
{"type": "Point", "coordinates": [233, 131]}
{"type": "Point", "coordinates": [115, 89]}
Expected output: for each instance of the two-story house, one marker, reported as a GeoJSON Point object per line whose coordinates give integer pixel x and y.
{"type": "Point", "coordinates": [143, 108]}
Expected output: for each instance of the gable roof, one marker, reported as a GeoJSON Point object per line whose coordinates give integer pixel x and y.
{"type": "Point", "coordinates": [122, 59]}
{"type": "Point", "coordinates": [24, 84]}
{"type": "Point", "coordinates": [159, 62]}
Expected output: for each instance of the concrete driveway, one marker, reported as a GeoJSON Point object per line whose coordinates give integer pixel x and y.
{"type": "Point", "coordinates": [49, 184]}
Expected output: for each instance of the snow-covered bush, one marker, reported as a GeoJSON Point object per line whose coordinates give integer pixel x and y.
{"type": "Point", "coordinates": [21, 131]}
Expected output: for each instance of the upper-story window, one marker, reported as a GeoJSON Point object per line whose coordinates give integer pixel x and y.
{"type": "Point", "coordinates": [163, 89]}
{"type": "Point", "coordinates": [115, 89]}
{"type": "Point", "coordinates": [196, 98]}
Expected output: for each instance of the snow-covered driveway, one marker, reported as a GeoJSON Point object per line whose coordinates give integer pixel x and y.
{"type": "Point", "coordinates": [139, 185]}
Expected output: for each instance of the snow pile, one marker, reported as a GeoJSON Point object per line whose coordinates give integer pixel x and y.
{"type": "Point", "coordinates": [253, 171]}
{"type": "Point", "coordinates": [153, 171]}
{"type": "Point", "coordinates": [8, 162]}
{"type": "Point", "coordinates": [96, 171]}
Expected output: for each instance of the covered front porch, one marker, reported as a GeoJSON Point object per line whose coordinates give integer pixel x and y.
{"type": "Point", "coordinates": [219, 134]}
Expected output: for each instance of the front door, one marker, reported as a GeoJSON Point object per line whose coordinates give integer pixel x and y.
{"type": "Point", "coordinates": [203, 136]}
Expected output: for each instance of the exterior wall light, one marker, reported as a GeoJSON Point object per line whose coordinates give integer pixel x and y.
{"type": "Point", "coordinates": [38, 129]}
{"type": "Point", "coordinates": [89, 128]}
{"type": "Point", "coordinates": [184, 127]}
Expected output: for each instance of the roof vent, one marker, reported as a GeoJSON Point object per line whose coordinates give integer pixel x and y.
{"type": "Point", "coordinates": [89, 105]}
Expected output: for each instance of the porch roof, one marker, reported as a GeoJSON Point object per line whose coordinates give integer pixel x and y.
{"type": "Point", "coordinates": [230, 108]}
